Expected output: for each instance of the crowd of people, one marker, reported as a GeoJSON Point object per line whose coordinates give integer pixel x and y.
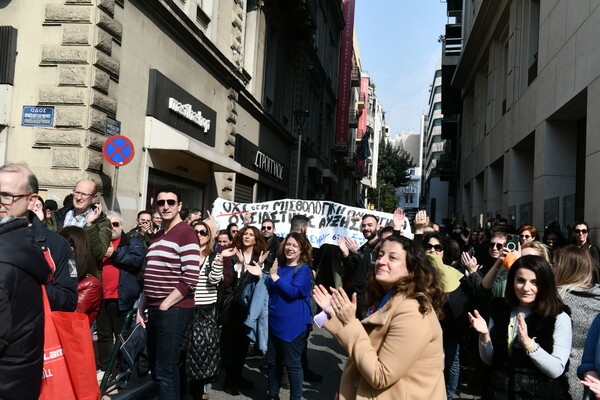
{"type": "Point", "coordinates": [412, 307]}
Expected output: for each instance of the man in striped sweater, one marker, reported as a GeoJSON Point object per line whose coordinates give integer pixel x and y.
{"type": "Point", "coordinates": [170, 279]}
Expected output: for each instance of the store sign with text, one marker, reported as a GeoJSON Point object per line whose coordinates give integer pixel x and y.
{"type": "Point", "coordinates": [179, 109]}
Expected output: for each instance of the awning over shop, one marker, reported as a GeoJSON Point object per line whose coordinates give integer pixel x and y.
{"type": "Point", "coordinates": [160, 136]}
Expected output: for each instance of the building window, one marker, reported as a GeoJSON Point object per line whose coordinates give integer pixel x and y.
{"type": "Point", "coordinates": [437, 122]}
{"type": "Point", "coordinates": [437, 106]}
{"type": "Point", "coordinates": [438, 73]}
{"type": "Point", "coordinates": [438, 89]}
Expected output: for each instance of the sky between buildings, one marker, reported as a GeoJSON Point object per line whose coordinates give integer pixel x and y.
{"type": "Point", "coordinates": [399, 47]}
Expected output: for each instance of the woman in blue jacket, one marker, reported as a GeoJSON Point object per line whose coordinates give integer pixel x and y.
{"type": "Point", "coordinates": [289, 313]}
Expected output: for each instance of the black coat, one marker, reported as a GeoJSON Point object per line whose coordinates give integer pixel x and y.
{"type": "Point", "coordinates": [23, 269]}
{"type": "Point", "coordinates": [129, 258]}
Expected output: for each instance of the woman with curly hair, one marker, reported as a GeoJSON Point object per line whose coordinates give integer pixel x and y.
{"type": "Point", "coordinates": [396, 351]}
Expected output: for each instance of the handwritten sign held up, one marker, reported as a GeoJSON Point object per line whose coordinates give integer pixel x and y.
{"type": "Point", "coordinates": [327, 219]}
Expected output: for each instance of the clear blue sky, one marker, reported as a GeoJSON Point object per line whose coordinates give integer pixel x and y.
{"type": "Point", "coordinates": [399, 49]}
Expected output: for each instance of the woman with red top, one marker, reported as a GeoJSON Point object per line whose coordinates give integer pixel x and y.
{"type": "Point", "coordinates": [89, 289]}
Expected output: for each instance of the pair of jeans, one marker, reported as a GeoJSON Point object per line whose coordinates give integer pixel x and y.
{"type": "Point", "coordinates": [282, 353]}
{"type": "Point", "coordinates": [108, 326]}
{"type": "Point", "coordinates": [166, 336]}
{"type": "Point", "coordinates": [451, 365]}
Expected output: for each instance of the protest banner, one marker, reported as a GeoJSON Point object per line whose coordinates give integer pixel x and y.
{"type": "Point", "coordinates": [328, 219]}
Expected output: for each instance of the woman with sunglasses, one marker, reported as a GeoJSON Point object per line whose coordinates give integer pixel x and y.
{"type": "Point", "coordinates": [395, 352]}
{"type": "Point", "coordinates": [477, 268]}
{"type": "Point", "coordinates": [527, 233]}
{"type": "Point", "coordinates": [581, 233]}
{"type": "Point", "coordinates": [574, 273]}
{"type": "Point", "coordinates": [455, 320]}
{"type": "Point", "coordinates": [247, 249]}
{"type": "Point", "coordinates": [203, 359]}
{"type": "Point", "coordinates": [528, 340]}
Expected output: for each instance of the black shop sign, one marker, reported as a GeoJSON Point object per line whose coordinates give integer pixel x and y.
{"type": "Point", "coordinates": [174, 106]}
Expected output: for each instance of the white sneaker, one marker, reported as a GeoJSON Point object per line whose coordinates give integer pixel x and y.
{"type": "Point", "coordinates": [99, 375]}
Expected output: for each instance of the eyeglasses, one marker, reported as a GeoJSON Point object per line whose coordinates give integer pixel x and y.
{"type": "Point", "coordinates": [578, 231]}
{"type": "Point", "coordinates": [266, 228]}
{"type": "Point", "coordinates": [170, 202]}
{"type": "Point", "coordinates": [83, 195]}
{"type": "Point", "coordinates": [8, 199]}
{"type": "Point", "coordinates": [116, 224]}
{"type": "Point", "coordinates": [436, 247]}
{"type": "Point", "coordinates": [233, 232]}
{"type": "Point", "coordinates": [524, 236]}
{"type": "Point", "coordinates": [202, 232]}
{"type": "Point", "coordinates": [498, 246]}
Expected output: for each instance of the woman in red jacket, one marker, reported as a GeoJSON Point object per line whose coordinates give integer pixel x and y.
{"type": "Point", "coordinates": [89, 288]}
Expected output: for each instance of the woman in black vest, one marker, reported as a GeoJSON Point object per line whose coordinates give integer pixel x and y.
{"type": "Point", "coordinates": [529, 337]}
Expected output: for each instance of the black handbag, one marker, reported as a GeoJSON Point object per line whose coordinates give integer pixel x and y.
{"type": "Point", "coordinates": [203, 358]}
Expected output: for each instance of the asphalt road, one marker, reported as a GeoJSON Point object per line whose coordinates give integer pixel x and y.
{"type": "Point", "coordinates": [325, 357]}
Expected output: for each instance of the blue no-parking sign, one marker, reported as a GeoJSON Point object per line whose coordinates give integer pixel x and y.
{"type": "Point", "coordinates": [118, 150]}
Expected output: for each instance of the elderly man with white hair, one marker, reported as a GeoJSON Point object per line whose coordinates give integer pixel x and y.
{"type": "Point", "coordinates": [121, 288]}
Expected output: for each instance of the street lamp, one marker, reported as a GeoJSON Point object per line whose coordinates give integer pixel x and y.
{"type": "Point", "coordinates": [300, 116]}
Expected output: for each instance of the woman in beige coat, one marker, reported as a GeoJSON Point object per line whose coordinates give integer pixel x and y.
{"type": "Point", "coordinates": [396, 351]}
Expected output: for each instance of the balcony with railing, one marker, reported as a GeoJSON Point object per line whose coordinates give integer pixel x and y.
{"type": "Point", "coordinates": [355, 77]}
{"type": "Point", "coordinates": [362, 97]}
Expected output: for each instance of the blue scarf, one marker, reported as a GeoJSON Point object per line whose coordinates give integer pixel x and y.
{"type": "Point", "coordinates": [385, 299]}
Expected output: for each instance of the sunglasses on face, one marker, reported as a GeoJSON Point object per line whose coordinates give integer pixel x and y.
{"type": "Point", "coordinates": [578, 231]}
{"type": "Point", "coordinates": [116, 224]}
{"type": "Point", "coordinates": [436, 247]}
{"type": "Point", "coordinates": [170, 202]}
{"type": "Point", "coordinates": [498, 246]}
{"type": "Point", "coordinates": [524, 236]}
{"type": "Point", "coordinates": [266, 228]}
{"type": "Point", "coordinates": [234, 232]}
{"type": "Point", "coordinates": [202, 232]}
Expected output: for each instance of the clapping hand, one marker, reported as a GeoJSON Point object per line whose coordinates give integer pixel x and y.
{"type": "Point", "coordinates": [593, 383]}
{"type": "Point", "coordinates": [323, 299]}
{"type": "Point", "coordinates": [345, 309]}
{"type": "Point", "coordinates": [253, 268]}
{"type": "Point", "coordinates": [469, 262]}
{"type": "Point", "coordinates": [228, 252]}
{"type": "Point", "coordinates": [478, 323]}
{"type": "Point", "coordinates": [274, 269]}
{"type": "Point", "coordinates": [522, 334]}
{"type": "Point", "coordinates": [263, 257]}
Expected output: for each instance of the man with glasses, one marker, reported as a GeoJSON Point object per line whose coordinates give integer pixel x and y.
{"type": "Point", "coordinates": [120, 287]}
{"type": "Point", "coordinates": [18, 192]}
{"type": "Point", "coordinates": [170, 279]}
{"type": "Point", "coordinates": [143, 228]}
{"type": "Point", "coordinates": [273, 241]}
{"type": "Point", "coordinates": [86, 213]}
{"type": "Point", "coordinates": [581, 233]}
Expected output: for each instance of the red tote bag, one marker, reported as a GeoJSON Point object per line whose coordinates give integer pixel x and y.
{"type": "Point", "coordinates": [69, 363]}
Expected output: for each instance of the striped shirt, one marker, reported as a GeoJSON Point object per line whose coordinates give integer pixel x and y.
{"type": "Point", "coordinates": [210, 276]}
{"type": "Point", "coordinates": [172, 262]}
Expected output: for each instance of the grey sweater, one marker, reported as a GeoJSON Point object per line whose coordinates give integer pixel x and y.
{"type": "Point", "coordinates": [584, 305]}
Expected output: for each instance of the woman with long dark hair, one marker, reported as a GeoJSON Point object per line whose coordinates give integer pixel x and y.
{"type": "Point", "coordinates": [247, 249]}
{"type": "Point", "coordinates": [396, 351]}
{"type": "Point", "coordinates": [528, 341]}
{"type": "Point", "coordinates": [89, 288]}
